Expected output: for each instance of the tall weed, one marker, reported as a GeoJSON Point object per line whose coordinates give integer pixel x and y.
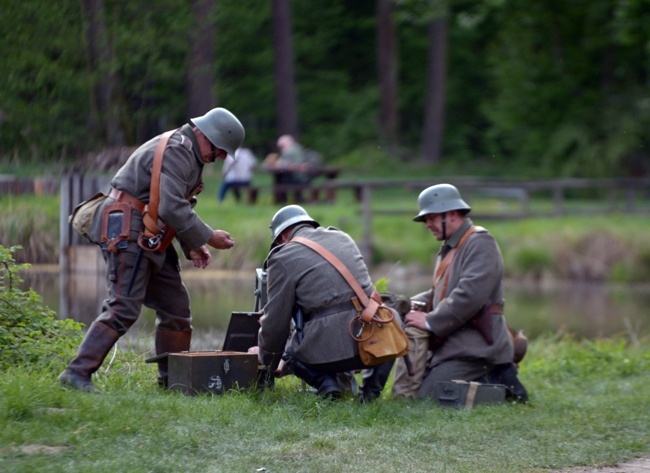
{"type": "Point", "coordinates": [30, 333]}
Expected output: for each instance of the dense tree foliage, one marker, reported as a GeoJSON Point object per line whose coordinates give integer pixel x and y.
{"type": "Point", "coordinates": [551, 87]}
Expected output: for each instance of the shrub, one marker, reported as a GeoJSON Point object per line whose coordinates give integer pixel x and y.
{"type": "Point", "coordinates": [30, 334]}
{"type": "Point", "coordinates": [531, 260]}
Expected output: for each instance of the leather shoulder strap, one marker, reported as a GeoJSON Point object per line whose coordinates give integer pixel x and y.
{"type": "Point", "coordinates": [370, 303]}
{"type": "Point", "coordinates": [154, 190]}
{"type": "Point", "coordinates": [444, 264]}
{"type": "Point", "coordinates": [334, 261]}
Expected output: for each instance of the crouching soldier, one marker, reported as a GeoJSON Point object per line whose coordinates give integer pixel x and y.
{"type": "Point", "coordinates": [304, 287]}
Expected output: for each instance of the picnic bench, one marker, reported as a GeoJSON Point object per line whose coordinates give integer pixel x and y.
{"type": "Point", "coordinates": [316, 189]}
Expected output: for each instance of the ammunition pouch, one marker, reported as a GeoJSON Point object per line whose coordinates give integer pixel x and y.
{"type": "Point", "coordinates": [155, 236]}
{"type": "Point", "coordinates": [482, 322]}
{"type": "Point", "coordinates": [116, 224]}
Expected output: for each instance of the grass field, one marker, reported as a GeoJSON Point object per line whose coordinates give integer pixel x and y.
{"type": "Point", "coordinates": [590, 405]}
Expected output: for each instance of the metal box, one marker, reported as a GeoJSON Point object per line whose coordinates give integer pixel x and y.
{"type": "Point", "coordinates": [212, 371]}
{"type": "Point", "coordinates": [461, 394]}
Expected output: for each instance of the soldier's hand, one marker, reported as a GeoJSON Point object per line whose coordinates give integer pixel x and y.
{"type": "Point", "coordinates": [221, 240]}
{"type": "Point", "coordinates": [201, 257]}
{"type": "Point", "coordinates": [417, 319]}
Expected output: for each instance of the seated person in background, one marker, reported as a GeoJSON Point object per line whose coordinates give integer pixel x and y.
{"type": "Point", "coordinates": [290, 167]}
{"type": "Point", "coordinates": [444, 343]}
{"type": "Point", "coordinates": [237, 172]}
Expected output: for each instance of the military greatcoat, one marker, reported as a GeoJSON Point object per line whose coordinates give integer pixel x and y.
{"type": "Point", "coordinates": [298, 276]}
{"type": "Point", "coordinates": [157, 283]}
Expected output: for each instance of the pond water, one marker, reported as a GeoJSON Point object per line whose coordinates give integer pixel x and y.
{"type": "Point", "coordinates": [585, 311]}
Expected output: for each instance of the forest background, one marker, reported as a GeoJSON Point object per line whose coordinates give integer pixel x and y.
{"type": "Point", "coordinates": [508, 87]}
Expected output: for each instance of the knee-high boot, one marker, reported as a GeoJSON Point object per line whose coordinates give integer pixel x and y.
{"type": "Point", "coordinates": [93, 349]}
{"type": "Point", "coordinates": [373, 381]}
{"type": "Point", "coordinates": [326, 384]}
{"type": "Point", "coordinates": [507, 374]}
{"type": "Point", "coordinates": [170, 341]}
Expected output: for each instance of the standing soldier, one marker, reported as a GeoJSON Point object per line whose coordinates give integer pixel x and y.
{"type": "Point", "coordinates": [152, 198]}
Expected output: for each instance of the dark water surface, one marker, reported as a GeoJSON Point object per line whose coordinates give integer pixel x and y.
{"type": "Point", "coordinates": [584, 310]}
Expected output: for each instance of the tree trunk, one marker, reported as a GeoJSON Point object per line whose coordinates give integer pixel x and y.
{"type": "Point", "coordinates": [434, 113]}
{"type": "Point", "coordinates": [100, 60]}
{"type": "Point", "coordinates": [200, 75]}
{"type": "Point", "coordinates": [387, 70]}
{"type": "Point", "coordinates": [285, 83]}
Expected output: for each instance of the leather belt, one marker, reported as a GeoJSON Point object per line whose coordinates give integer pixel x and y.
{"type": "Point", "coordinates": [332, 309]}
{"type": "Point", "coordinates": [121, 196]}
{"type": "Point", "coordinates": [496, 309]}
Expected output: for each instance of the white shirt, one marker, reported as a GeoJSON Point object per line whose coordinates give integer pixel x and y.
{"type": "Point", "coordinates": [242, 169]}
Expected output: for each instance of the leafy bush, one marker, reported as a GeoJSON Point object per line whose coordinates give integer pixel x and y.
{"type": "Point", "coordinates": [30, 334]}
{"type": "Point", "coordinates": [531, 259]}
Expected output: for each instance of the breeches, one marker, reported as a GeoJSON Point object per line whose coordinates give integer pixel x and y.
{"type": "Point", "coordinates": [154, 285]}
{"type": "Point", "coordinates": [466, 370]}
{"type": "Point", "coordinates": [340, 366]}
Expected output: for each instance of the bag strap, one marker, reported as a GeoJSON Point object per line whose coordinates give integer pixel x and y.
{"type": "Point", "coordinates": [371, 303]}
{"type": "Point", "coordinates": [154, 189]}
{"type": "Point", "coordinates": [441, 270]}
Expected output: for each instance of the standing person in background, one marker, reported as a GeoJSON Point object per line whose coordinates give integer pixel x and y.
{"type": "Point", "coordinates": [146, 271]}
{"type": "Point", "coordinates": [237, 172]}
{"type": "Point", "coordinates": [468, 276]}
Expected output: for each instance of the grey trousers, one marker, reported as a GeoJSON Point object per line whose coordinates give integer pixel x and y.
{"type": "Point", "coordinates": [467, 370]}
{"type": "Point", "coordinates": [157, 284]}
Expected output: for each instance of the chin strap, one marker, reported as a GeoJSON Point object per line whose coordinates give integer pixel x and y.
{"type": "Point", "coordinates": [444, 226]}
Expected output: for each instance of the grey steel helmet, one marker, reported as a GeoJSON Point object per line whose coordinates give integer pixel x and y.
{"type": "Point", "coordinates": [222, 128]}
{"type": "Point", "coordinates": [439, 199]}
{"type": "Point", "coordinates": [287, 216]}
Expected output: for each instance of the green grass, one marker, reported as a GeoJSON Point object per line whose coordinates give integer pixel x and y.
{"type": "Point", "coordinates": [590, 405]}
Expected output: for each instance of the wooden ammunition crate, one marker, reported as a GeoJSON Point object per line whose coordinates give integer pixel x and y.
{"type": "Point", "coordinates": [461, 394]}
{"type": "Point", "coordinates": [210, 371]}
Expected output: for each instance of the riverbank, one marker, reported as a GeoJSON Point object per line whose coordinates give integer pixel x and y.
{"type": "Point", "coordinates": [589, 405]}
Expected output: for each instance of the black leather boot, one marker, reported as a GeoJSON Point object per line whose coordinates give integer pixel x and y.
{"type": "Point", "coordinates": [326, 384]}
{"type": "Point", "coordinates": [373, 381]}
{"type": "Point", "coordinates": [93, 349]}
{"type": "Point", "coordinates": [507, 374]}
{"type": "Point", "coordinates": [169, 341]}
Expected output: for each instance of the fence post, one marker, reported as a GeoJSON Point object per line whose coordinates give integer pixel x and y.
{"type": "Point", "coordinates": [367, 247]}
{"type": "Point", "coordinates": [80, 263]}
{"type": "Point", "coordinates": [558, 199]}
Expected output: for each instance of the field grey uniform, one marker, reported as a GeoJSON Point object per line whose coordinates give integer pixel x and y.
{"type": "Point", "coordinates": [475, 276]}
{"type": "Point", "coordinates": [298, 276]}
{"type": "Point", "coordinates": [157, 283]}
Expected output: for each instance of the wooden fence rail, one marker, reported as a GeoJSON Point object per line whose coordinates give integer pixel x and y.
{"type": "Point", "coordinates": [622, 195]}
{"type": "Point", "coordinates": [625, 195]}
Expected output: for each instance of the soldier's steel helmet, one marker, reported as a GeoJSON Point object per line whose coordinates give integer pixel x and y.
{"type": "Point", "coordinates": [222, 128]}
{"type": "Point", "coordinates": [439, 199]}
{"type": "Point", "coordinates": [287, 216]}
